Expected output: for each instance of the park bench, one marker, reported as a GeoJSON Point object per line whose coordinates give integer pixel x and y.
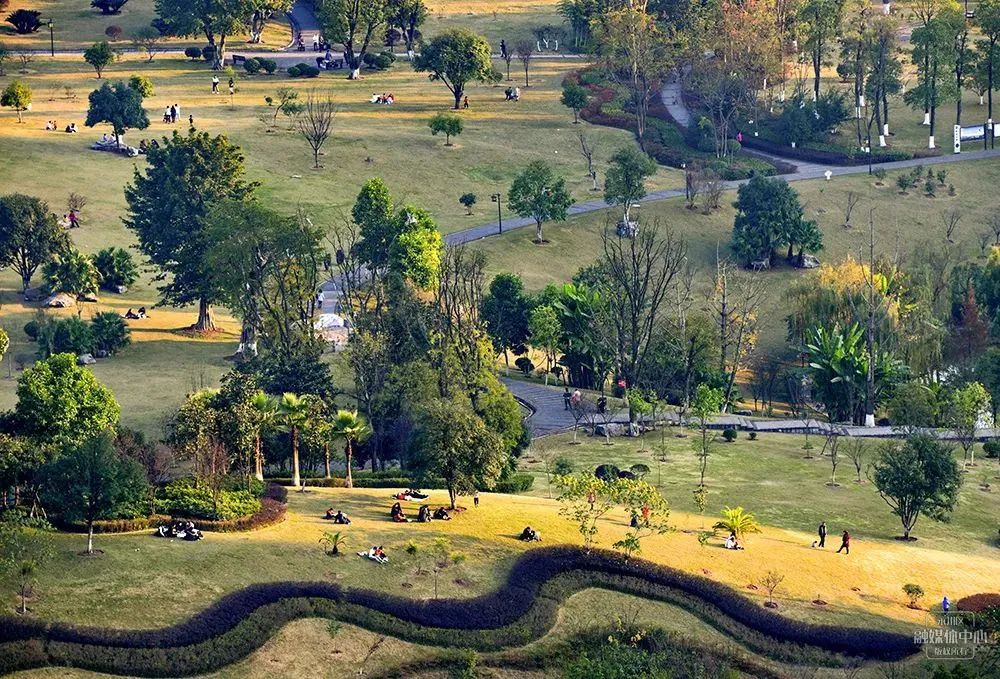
{"type": "Point", "coordinates": [239, 59]}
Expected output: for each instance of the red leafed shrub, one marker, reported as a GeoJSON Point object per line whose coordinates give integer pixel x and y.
{"type": "Point", "coordinates": [977, 603]}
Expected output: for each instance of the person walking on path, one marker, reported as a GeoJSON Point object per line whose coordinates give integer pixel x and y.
{"type": "Point", "coordinates": [566, 398]}
{"type": "Point", "coordinates": [845, 543]}
{"type": "Point", "coordinates": [822, 535]}
{"type": "Point", "coordinates": [475, 499]}
{"type": "Point", "coordinates": [215, 84]}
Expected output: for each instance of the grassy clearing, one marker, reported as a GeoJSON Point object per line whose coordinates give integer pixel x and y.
{"type": "Point", "coordinates": [369, 140]}
{"type": "Point", "coordinates": [182, 578]}
{"type": "Point", "coordinates": [904, 225]}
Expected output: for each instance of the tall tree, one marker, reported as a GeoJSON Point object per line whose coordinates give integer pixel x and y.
{"type": "Point", "coordinates": [917, 476]}
{"type": "Point", "coordinates": [988, 20]}
{"type": "Point", "coordinates": [408, 16]}
{"type": "Point", "coordinates": [268, 270]}
{"type": "Point", "coordinates": [263, 10]}
{"type": "Point", "coordinates": [820, 22]}
{"type": "Point", "coordinates": [294, 416]}
{"type": "Point", "coordinates": [217, 20]}
{"type": "Point", "coordinates": [119, 106]}
{"type": "Point", "coordinates": [29, 235]}
{"type": "Point", "coordinates": [769, 216]}
{"type": "Point", "coordinates": [625, 183]}
{"type": "Point", "coordinates": [456, 58]}
{"type": "Point", "coordinates": [638, 53]}
{"type": "Point", "coordinates": [91, 482]}
{"type": "Point", "coordinates": [353, 24]}
{"type": "Point", "coordinates": [315, 123]}
{"type": "Point", "coordinates": [885, 76]}
{"type": "Point", "coordinates": [538, 193]}
{"type": "Point", "coordinates": [505, 312]}
{"type": "Point", "coordinates": [933, 55]}
{"type": "Point", "coordinates": [167, 206]}
{"type": "Point", "coordinates": [350, 427]}
{"type": "Point", "coordinates": [17, 95]}
{"type": "Point", "coordinates": [100, 55]}
{"type": "Point", "coordinates": [638, 276]}
{"type": "Point", "coordinates": [454, 444]}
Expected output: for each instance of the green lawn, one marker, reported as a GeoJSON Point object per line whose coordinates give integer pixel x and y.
{"type": "Point", "coordinates": [904, 226]}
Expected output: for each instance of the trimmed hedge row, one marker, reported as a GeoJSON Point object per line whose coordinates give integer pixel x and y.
{"type": "Point", "coordinates": [813, 155]}
{"type": "Point", "coordinates": [523, 609]}
{"type": "Point", "coordinates": [112, 526]}
{"type": "Point", "coordinates": [362, 482]}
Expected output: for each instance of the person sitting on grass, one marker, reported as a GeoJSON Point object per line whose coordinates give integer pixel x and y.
{"type": "Point", "coordinates": [529, 534]}
{"type": "Point", "coordinates": [397, 514]}
{"type": "Point", "coordinates": [71, 128]}
{"type": "Point", "coordinates": [131, 315]}
{"type": "Point", "coordinates": [733, 542]}
{"type": "Point", "coordinates": [424, 515]}
{"type": "Point", "coordinates": [375, 554]}
{"type": "Point", "coordinates": [441, 514]}
{"type": "Point", "coordinates": [341, 518]}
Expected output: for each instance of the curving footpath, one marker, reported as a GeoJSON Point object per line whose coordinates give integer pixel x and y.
{"type": "Point", "coordinates": [522, 610]}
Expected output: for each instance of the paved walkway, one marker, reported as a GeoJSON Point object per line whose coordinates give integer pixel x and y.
{"type": "Point", "coordinates": [673, 101]}
{"type": "Point", "coordinates": [550, 416]}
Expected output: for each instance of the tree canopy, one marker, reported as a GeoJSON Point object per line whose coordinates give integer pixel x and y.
{"type": "Point", "coordinates": [538, 193]}
{"type": "Point", "coordinates": [456, 58]}
{"type": "Point", "coordinates": [29, 235]}
{"type": "Point", "coordinates": [118, 105]}
{"type": "Point", "coordinates": [770, 216]}
{"type": "Point", "coordinates": [167, 206]}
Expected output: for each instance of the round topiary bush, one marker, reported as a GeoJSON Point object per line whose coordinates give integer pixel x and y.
{"type": "Point", "coordinates": [208, 52]}
{"type": "Point", "coordinates": [269, 66]}
{"type": "Point", "coordinates": [992, 449]}
{"type": "Point", "coordinates": [307, 71]}
{"type": "Point", "coordinates": [729, 434]}
{"type": "Point", "coordinates": [251, 66]}
{"type": "Point", "coordinates": [193, 53]}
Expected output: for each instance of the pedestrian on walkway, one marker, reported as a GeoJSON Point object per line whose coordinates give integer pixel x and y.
{"type": "Point", "coordinates": [845, 543]}
{"type": "Point", "coordinates": [822, 535]}
{"type": "Point", "coordinates": [475, 499]}
{"type": "Point", "coordinates": [215, 84]}
{"type": "Point", "coordinates": [465, 102]}
{"type": "Point", "coordinates": [945, 605]}
{"type": "Point", "coordinates": [566, 398]}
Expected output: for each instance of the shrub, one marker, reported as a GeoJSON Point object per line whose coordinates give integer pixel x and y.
{"type": "Point", "coordinates": [251, 66]}
{"type": "Point", "coordinates": [110, 332]}
{"type": "Point", "coordinates": [303, 71]}
{"type": "Point", "coordinates": [293, 71]}
{"type": "Point", "coordinates": [977, 603]}
{"type": "Point", "coordinates": [142, 85]}
{"type": "Point", "coordinates": [25, 21]}
{"type": "Point", "coordinates": [182, 498]}
{"type": "Point", "coordinates": [208, 53]}
{"type": "Point", "coordinates": [607, 472]}
{"type": "Point", "coordinates": [562, 466]}
{"type": "Point", "coordinates": [65, 335]}
{"type": "Point", "coordinates": [379, 61]}
{"type": "Point", "coordinates": [269, 513]}
{"type": "Point", "coordinates": [193, 53]}
{"type": "Point", "coordinates": [468, 200]}
{"type": "Point", "coordinates": [113, 32]}
{"type": "Point", "coordinates": [269, 66]}
{"type": "Point", "coordinates": [729, 434]}
{"type": "Point", "coordinates": [752, 435]}
{"type": "Point", "coordinates": [524, 364]}
{"type": "Point", "coordinates": [448, 124]}
{"type": "Point", "coordinates": [117, 268]}
{"type": "Point", "coordinates": [880, 174]}
{"type": "Point", "coordinates": [31, 330]}
{"type": "Point", "coordinates": [515, 483]}
{"type": "Point", "coordinates": [990, 448]}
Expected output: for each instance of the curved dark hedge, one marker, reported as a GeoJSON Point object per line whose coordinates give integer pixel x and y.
{"type": "Point", "coordinates": [514, 614]}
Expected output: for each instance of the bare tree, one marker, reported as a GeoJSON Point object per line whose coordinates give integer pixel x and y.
{"type": "Point", "coordinates": [765, 368]}
{"type": "Point", "coordinates": [524, 50]}
{"type": "Point", "coordinates": [951, 218]}
{"type": "Point", "coordinates": [587, 148]}
{"type": "Point", "coordinates": [735, 300]}
{"type": "Point", "coordinates": [694, 185]}
{"type": "Point", "coordinates": [770, 582]}
{"type": "Point", "coordinates": [316, 123]}
{"type": "Point", "coordinates": [640, 273]}
{"type": "Point", "coordinates": [849, 205]}
{"type": "Point", "coordinates": [856, 451]}
{"type": "Point", "coordinates": [995, 227]}
{"type": "Point", "coordinates": [713, 192]}
{"type": "Point", "coordinates": [984, 242]}
{"type": "Point", "coordinates": [831, 447]}
{"type": "Point", "coordinates": [149, 41]}
{"type": "Point", "coordinates": [26, 56]}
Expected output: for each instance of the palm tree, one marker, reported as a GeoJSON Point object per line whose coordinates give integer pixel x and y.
{"type": "Point", "coordinates": [265, 412]}
{"type": "Point", "coordinates": [333, 542]}
{"type": "Point", "coordinates": [293, 416]}
{"type": "Point", "coordinates": [737, 521]}
{"type": "Point", "coordinates": [351, 427]}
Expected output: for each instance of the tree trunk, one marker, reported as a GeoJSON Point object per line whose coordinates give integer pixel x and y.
{"type": "Point", "coordinates": [538, 230]}
{"type": "Point", "coordinates": [296, 479]}
{"type": "Point", "coordinates": [258, 459]}
{"type": "Point", "coordinates": [90, 537]}
{"type": "Point", "coordinates": [458, 97]}
{"type": "Point", "coordinates": [206, 319]}
{"type": "Point", "coordinates": [326, 458]}
{"type": "Point", "coordinates": [451, 496]}
{"type": "Point", "coordinates": [348, 478]}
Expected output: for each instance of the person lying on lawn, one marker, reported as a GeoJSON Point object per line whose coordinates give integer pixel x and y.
{"type": "Point", "coordinates": [441, 514]}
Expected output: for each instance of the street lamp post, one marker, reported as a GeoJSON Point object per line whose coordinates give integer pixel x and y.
{"type": "Point", "coordinates": [496, 199]}
{"type": "Point", "coordinates": [52, 40]}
